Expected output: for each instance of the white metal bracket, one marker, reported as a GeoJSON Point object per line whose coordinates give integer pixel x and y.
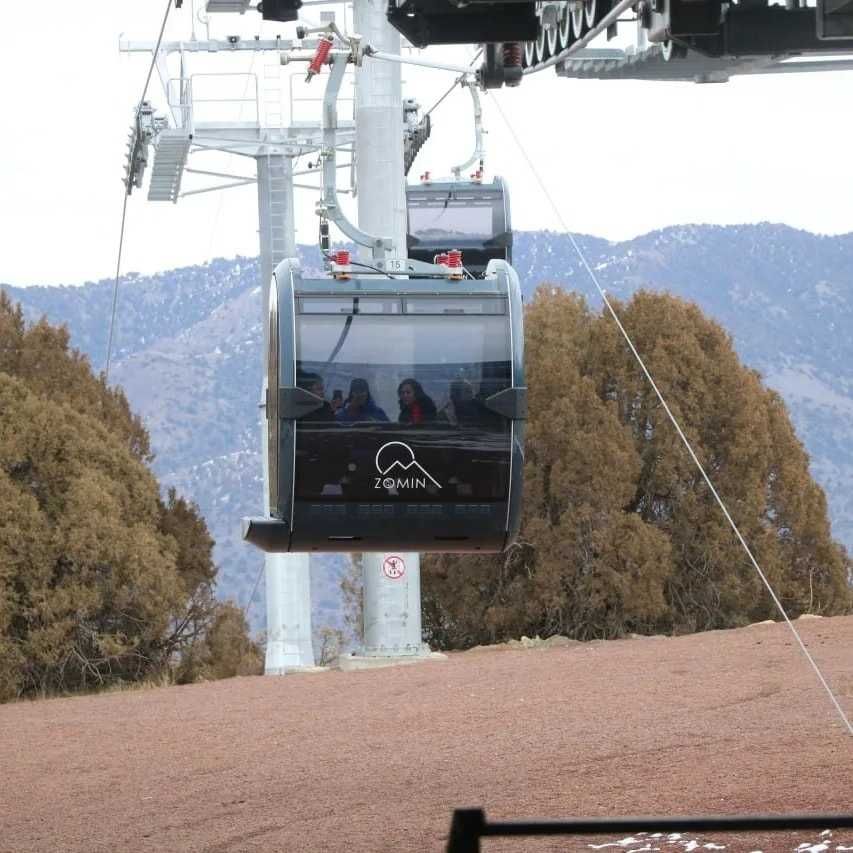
{"type": "Point", "coordinates": [328, 206]}
{"type": "Point", "coordinates": [479, 149]}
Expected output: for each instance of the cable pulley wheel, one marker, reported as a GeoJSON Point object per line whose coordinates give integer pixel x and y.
{"type": "Point", "coordinates": [551, 39]}
{"type": "Point", "coordinates": [564, 30]}
{"type": "Point", "coordinates": [577, 18]}
{"type": "Point", "coordinates": [541, 46]}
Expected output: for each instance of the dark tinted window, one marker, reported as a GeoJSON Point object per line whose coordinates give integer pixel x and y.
{"type": "Point", "coordinates": [443, 216]}
{"type": "Point", "coordinates": [352, 305]}
{"type": "Point", "coordinates": [405, 402]}
{"type": "Point", "coordinates": [451, 305]}
{"type": "Point", "coordinates": [453, 356]}
{"type": "Point", "coordinates": [463, 220]}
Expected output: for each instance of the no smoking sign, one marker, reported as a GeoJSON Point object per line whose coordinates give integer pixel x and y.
{"type": "Point", "coordinates": [394, 567]}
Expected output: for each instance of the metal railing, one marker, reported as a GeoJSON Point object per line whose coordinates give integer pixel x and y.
{"type": "Point", "coordinates": [181, 97]}
{"type": "Point", "coordinates": [297, 99]}
{"type": "Point", "coordinates": [469, 826]}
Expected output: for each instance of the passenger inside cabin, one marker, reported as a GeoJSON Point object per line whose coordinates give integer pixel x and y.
{"type": "Point", "coordinates": [461, 409]}
{"type": "Point", "coordinates": [313, 383]}
{"type": "Point", "coordinates": [359, 405]}
{"type": "Point", "coordinates": [416, 406]}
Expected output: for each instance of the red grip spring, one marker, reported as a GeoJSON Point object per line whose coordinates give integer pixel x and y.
{"type": "Point", "coordinates": [454, 259]}
{"type": "Point", "coordinates": [342, 257]}
{"type": "Point", "coordinates": [320, 55]}
{"type": "Point", "coordinates": [440, 259]}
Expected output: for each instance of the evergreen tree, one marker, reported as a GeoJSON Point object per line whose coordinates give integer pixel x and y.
{"type": "Point", "coordinates": [101, 581]}
{"type": "Point", "coordinates": [95, 583]}
{"type": "Point", "coordinates": [620, 532]}
{"type": "Point", "coordinates": [224, 650]}
{"type": "Point", "coordinates": [41, 356]}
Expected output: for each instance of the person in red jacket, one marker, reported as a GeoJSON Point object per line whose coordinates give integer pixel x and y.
{"type": "Point", "coordinates": [416, 407]}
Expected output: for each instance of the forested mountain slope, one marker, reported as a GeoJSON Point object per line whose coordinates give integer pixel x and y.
{"type": "Point", "coordinates": [188, 353]}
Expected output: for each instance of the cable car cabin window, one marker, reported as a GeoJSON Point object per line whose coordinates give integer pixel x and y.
{"type": "Point", "coordinates": [461, 220]}
{"type": "Point", "coordinates": [404, 415]}
{"type": "Point", "coordinates": [464, 305]}
{"type": "Point", "coordinates": [358, 305]}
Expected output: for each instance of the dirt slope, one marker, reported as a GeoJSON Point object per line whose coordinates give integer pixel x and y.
{"type": "Point", "coordinates": [723, 722]}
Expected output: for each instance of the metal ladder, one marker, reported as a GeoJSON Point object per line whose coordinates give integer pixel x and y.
{"type": "Point", "coordinates": [272, 94]}
{"type": "Point", "coordinates": [170, 157]}
{"type": "Point", "coordinates": [278, 188]}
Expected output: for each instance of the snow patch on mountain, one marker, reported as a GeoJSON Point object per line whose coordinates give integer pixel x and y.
{"type": "Point", "coordinates": [802, 385]}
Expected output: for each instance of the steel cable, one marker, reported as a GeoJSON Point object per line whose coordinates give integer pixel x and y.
{"type": "Point", "coordinates": [456, 82]}
{"type": "Point", "coordinates": [126, 195]}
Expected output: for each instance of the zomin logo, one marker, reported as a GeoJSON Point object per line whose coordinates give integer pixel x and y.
{"type": "Point", "coordinates": [396, 463]}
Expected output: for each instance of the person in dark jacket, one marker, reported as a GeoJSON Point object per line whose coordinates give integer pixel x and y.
{"type": "Point", "coordinates": [359, 405]}
{"type": "Point", "coordinates": [462, 409]}
{"type": "Point", "coordinates": [313, 383]}
{"type": "Point", "coordinates": [416, 407]}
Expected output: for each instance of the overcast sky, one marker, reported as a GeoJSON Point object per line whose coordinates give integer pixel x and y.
{"type": "Point", "coordinates": [624, 157]}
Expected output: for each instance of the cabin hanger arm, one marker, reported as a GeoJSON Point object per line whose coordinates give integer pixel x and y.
{"type": "Point", "coordinates": [328, 206]}
{"type": "Point", "coordinates": [479, 147]}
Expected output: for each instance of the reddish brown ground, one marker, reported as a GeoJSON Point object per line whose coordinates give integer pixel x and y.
{"type": "Point", "coordinates": [724, 722]}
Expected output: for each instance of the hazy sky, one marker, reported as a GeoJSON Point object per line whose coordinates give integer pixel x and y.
{"type": "Point", "coordinates": [624, 157]}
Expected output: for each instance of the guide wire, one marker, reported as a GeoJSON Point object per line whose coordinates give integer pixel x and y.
{"type": "Point", "coordinates": [779, 606]}
{"type": "Point", "coordinates": [456, 82]}
{"type": "Point", "coordinates": [126, 196]}
{"type": "Point", "coordinates": [375, 269]}
{"type": "Point", "coordinates": [115, 289]}
{"type": "Point", "coordinates": [255, 585]}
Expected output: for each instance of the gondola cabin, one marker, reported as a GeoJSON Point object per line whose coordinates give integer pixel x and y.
{"type": "Point", "coordinates": [395, 413]}
{"type": "Point", "coordinates": [469, 215]}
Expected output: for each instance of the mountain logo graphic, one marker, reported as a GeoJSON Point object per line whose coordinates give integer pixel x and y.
{"type": "Point", "coordinates": [398, 468]}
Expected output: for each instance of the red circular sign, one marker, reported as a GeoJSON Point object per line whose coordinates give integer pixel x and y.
{"type": "Point", "coordinates": [394, 567]}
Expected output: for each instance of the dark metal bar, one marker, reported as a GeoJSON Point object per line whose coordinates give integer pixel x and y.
{"type": "Point", "coordinates": [470, 825]}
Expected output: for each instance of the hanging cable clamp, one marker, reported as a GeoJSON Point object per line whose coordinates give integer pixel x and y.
{"type": "Point", "coordinates": [357, 49]}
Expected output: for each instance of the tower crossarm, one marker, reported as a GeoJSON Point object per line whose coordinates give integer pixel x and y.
{"type": "Point", "coordinates": [214, 45]}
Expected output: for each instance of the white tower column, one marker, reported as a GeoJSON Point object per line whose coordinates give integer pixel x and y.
{"type": "Point", "coordinates": [392, 582]}
{"type": "Point", "coordinates": [287, 577]}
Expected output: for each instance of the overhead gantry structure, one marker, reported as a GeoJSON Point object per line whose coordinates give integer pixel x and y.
{"type": "Point", "coordinates": [703, 41]}
{"type": "Point", "coordinates": [695, 40]}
